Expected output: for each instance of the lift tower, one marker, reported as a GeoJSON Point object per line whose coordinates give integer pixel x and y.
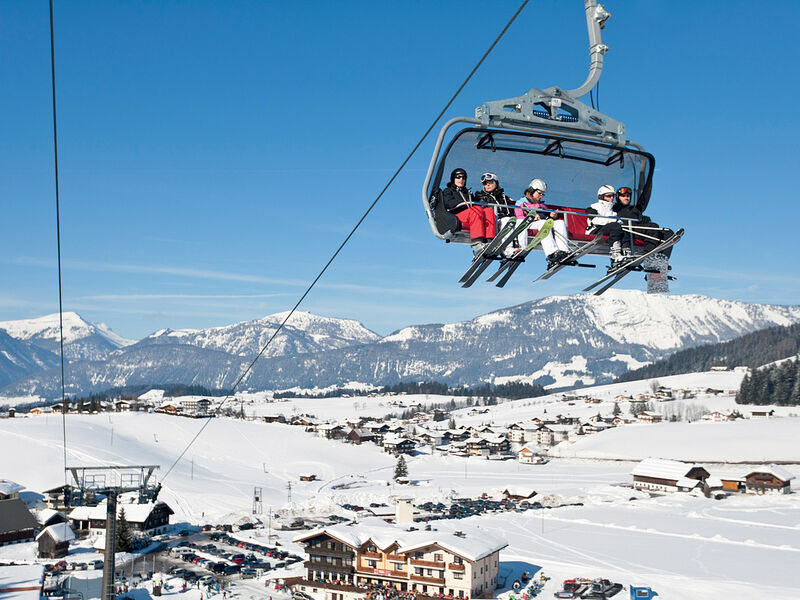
{"type": "Point", "coordinates": [110, 481]}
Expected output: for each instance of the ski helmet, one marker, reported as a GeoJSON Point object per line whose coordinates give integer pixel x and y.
{"type": "Point", "coordinates": [605, 189]}
{"type": "Point", "coordinates": [537, 184]}
{"type": "Point", "coordinates": [624, 191]}
{"type": "Point", "coordinates": [457, 172]}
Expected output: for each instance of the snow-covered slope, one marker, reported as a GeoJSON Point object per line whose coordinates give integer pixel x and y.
{"type": "Point", "coordinates": [304, 332]}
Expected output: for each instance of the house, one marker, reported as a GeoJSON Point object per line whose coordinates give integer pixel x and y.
{"type": "Point", "coordinates": [151, 518]}
{"type": "Point", "coordinates": [528, 456]}
{"type": "Point", "coordinates": [57, 498]}
{"type": "Point", "coordinates": [41, 410]}
{"type": "Point", "coordinates": [762, 414]}
{"type": "Point", "coordinates": [550, 435]}
{"type": "Point", "coordinates": [48, 516]}
{"type": "Point", "coordinates": [359, 436]}
{"type": "Point", "coordinates": [478, 446]}
{"type": "Point", "coordinates": [54, 540]}
{"type": "Point", "coordinates": [331, 431]}
{"type": "Point", "coordinates": [717, 416]}
{"type": "Point", "coordinates": [274, 419]}
{"type": "Point", "coordinates": [769, 479]}
{"type": "Point", "coordinates": [17, 524]}
{"type": "Point", "coordinates": [9, 489]}
{"type": "Point", "coordinates": [308, 477]}
{"type": "Point", "coordinates": [655, 474]}
{"type": "Point", "coordinates": [342, 561]}
{"type": "Point", "coordinates": [122, 405]}
{"type": "Point", "coordinates": [648, 417]}
{"type": "Point", "coordinates": [398, 445]}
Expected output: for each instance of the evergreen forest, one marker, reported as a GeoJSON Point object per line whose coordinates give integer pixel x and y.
{"type": "Point", "coordinates": [751, 350]}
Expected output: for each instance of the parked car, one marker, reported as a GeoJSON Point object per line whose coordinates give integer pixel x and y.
{"type": "Point", "coordinates": [248, 573]}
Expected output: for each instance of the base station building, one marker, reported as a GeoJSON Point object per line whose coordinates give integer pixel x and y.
{"type": "Point", "coordinates": [349, 562]}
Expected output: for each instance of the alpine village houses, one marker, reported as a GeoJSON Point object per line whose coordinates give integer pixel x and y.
{"type": "Point", "coordinates": [346, 562]}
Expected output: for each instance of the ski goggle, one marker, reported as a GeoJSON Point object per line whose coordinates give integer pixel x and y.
{"type": "Point", "coordinates": [624, 191]}
{"type": "Point", "coordinates": [488, 177]}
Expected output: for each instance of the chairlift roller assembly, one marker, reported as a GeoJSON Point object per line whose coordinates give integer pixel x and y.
{"type": "Point", "coordinates": [548, 134]}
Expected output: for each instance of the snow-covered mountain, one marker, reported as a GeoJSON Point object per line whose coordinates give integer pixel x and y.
{"type": "Point", "coordinates": [19, 359]}
{"type": "Point", "coordinates": [557, 341]}
{"type": "Point", "coordinates": [303, 333]}
{"type": "Point", "coordinates": [82, 340]}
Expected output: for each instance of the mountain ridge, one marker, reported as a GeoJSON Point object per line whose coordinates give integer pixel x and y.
{"type": "Point", "coordinates": [557, 341]}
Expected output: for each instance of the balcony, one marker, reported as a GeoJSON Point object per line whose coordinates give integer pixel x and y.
{"type": "Point", "coordinates": [382, 572]}
{"type": "Point", "coordinates": [396, 558]}
{"type": "Point", "coordinates": [321, 565]}
{"type": "Point", "coordinates": [421, 579]}
{"type": "Point", "coordinates": [427, 563]}
{"type": "Point", "coordinates": [371, 555]}
{"type": "Point", "coordinates": [456, 566]}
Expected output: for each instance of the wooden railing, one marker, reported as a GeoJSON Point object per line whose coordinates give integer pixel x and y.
{"type": "Point", "coordinates": [456, 566]}
{"type": "Point", "coordinates": [434, 580]}
{"type": "Point", "coordinates": [427, 563]}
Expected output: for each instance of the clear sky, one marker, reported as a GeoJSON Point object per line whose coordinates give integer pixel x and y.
{"type": "Point", "coordinates": [214, 154]}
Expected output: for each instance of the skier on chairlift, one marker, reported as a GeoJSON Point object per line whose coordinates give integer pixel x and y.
{"type": "Point", "coordinates": [602, 219]}
{"type": "Point", "coordinates": [492, 193]}
{"type": "Point", "coordinates": [478, 220]}
{"type": "Point", "coordinates": [555, 245]}
{"type": "Point", "coordinates": [642, 227]}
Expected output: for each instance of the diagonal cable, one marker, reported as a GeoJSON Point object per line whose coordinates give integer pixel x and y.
{"type": "Point", "coordinates": [349, 235]}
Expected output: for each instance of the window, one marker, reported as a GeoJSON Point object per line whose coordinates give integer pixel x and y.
{"type": "Point", "coordinates": [437, 557]}
{"type": "Point", "coordinates": [397, 566]}
{"type": "Point", "coordinates": [372, 563]}
{"type": "Point", "coordinates": [430, 573]}
{"type": "Point", "coordinates": [458, 575]}
{"type": "Point", "coordinates": [441, 575]}
{"type": "Point", "coordinates": [419, 555]}
{"type": "Point", "coordinates": [330, 545]}
{"type": "Point", "coordinates": [458, 560]}
{"type": "Point", "coordinates": [371, 548]}
{"type": "Point", "coordinates": [418, 571]}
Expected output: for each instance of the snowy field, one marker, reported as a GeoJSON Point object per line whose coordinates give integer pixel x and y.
{"type": "Point", "coordinates": [683, 546]}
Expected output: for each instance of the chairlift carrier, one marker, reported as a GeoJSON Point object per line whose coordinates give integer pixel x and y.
{"type": "Point", "coordinates": [549, 134]}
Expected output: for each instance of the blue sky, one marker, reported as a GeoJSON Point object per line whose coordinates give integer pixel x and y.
{"type": "Point", "coordinates": [214, 154]}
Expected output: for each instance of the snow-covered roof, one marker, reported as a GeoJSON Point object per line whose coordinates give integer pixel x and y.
{"type": "Point", "coordinates": [521, 491]}
{"type": "Point", "coordinates": [775, 470]}
{"type": "Point", "coordinates": [9, 487]}
{"type": "Point", "coordinates": [395, 439]}
{"type": "Point", "coordinates": [662, 468]}
{"type": "Point", "coordinates": [474, 545]}
{"type": "Point", "coordinates": [60, 532]}
{"type": "Point", "coordinates": [46, 514]}
{"type": "Point", "coordinates": [134, 513]}
{"type": "Point", "coordinates": [21, 582]}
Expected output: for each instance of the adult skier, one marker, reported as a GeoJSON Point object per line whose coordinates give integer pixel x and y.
{"type": "Point", "coordinates": [601, 219]}
{"type": "Point", "coordinates": [643, 228]}
{"type": "Point", "coordinates": [479, 220]}
{"type": "Point", "coordinates": [492, 193]}
{"type": "Point", "coordinates": [555, 245]}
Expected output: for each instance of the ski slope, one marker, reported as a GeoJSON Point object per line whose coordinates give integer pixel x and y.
{"type": "Point", "coordinates": [683, 546]}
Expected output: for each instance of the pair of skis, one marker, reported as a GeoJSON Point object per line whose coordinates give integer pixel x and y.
{"type": "Point", "coordinates": [571, 259]}
{"type": "Point", "coordinates": [494, 249]}
{"type": "Point", "coordinates": [617, 273]}
{"type": "Point", "coordinates": [509, 265]}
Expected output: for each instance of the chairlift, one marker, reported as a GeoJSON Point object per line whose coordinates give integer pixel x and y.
{"type": "Point", "coordinates": [548, 134]}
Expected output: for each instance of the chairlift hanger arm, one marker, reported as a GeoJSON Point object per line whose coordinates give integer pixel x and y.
{"type": "Point", "coordinates": [596, 17]}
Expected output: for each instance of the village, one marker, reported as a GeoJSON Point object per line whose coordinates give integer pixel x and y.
{"type": "Point", "coordinates": [411, 543]}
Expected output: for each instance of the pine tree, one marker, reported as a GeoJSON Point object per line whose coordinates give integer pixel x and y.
{"type": "Point", "coordinates": [451, 424]}
{"type": "Point", "coordinates": [401, 468]}
{"type": "Point", "coordinates": [617, 410]}
{"type": "Point", "coordinates": [123, 539]}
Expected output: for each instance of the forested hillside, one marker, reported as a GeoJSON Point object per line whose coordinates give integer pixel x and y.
{"type": "Point", "coordinates": [776, 384]}
{"type": "Point", "coordinates": [751, 350]}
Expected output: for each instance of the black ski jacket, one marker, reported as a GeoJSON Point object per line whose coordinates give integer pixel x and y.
{"type": "Point", "coordinates": [630, 212]}
{"type": "Point", "coordinates": [498, 196]}
{"type": "Point", "coordinates": [456, 199]}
